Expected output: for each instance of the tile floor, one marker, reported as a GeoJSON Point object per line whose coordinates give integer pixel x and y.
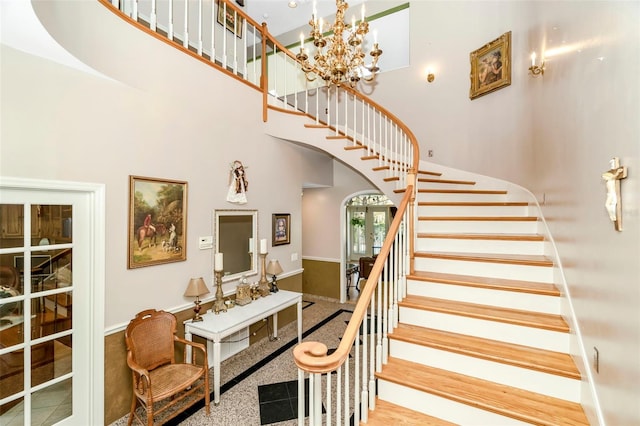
{"type": "Point", "coordinates": [267, 363]}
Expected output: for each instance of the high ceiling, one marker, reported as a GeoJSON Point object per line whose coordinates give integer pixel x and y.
{"type": "Point", "coordinates": [281, 18]}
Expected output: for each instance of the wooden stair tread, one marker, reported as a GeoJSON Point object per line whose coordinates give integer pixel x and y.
{"type": "Point", "coordinates": [426, 172]}
{"type": "Point", "coordinates": [478, 236]}
{"type": "Point", "coordinates": [379, 168]}
{"type": "Point", "coordinates": [353, 147]}
{"type": "Point", "coordinates": [512, 259]}
{"type": "Point", "coordinates": [557, 363]}
{"type": "Point", "coordinates": [462, 191]}
{"type": "Point", "coordinates": [489, 283]}
{"type": "Point", "coordinates": [316, 126]}
{"type": "Point", "coordinates": [448, 181]}
{"type": "Point", "coordinates": [482, 218]}
{"type": "Point", "coordinates": [505, 400]}
{"type": "Point", "coordinates": [490, 313]}
{"type": "Point", "coordinates": [334, 137]}
{"type": "Point", "coordinates": [474, 203]}
{"type": "Point", "coordinates": [370, 157]}
{"type": "Point", "coordinates": [387, 414]}
{"type": "Point", "coordinates": [391, 179]}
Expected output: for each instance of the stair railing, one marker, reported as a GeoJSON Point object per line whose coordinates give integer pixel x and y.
{"type": "Point", "coordinates": [215, 32]}
{"type": "Point", "coordinates": [224, 37]}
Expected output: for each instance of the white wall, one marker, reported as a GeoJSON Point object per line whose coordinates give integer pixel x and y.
{"type": "Point", "coordinates": [321, 213]}
{"type": "Point", "coordinates": [61, 123]}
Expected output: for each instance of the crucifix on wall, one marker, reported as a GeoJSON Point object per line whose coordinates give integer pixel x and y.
{"type": "Point", "coordinates": [612, 178]}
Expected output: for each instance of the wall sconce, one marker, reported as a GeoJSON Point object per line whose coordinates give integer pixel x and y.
{"type": "Point", "coordinates": [196, 288]}
{"type": "Point", "coordinates": [274, 269]}
{"type": "Point", "coordinates": [430, 75]}
{"type": "Point", "coordinates": [536, 69]}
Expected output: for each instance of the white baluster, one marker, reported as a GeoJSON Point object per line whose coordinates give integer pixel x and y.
{"type": "Point", "coordinates": [301, 397]}
{"type": "Point", "coordinates": [328, 401]}
{"type": "Point", "coordinates": [153, 18]}
{"type": "Point", "coordinates": [185, 41]}
{"type": "Point", "coordinates": [170, 29]}
{"type": "Point", "coordinates": [200, 27]}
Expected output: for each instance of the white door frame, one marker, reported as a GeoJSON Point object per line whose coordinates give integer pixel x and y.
{"type": "Point", "coordinates": [95, 203]}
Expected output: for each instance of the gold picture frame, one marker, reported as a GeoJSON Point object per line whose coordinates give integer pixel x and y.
{"type": "Point", "coordinates": [491, 66]}
{"type": "Point", "coordinates": [157, 221]}
{"type": "Point", "coordinates": [230, 22]}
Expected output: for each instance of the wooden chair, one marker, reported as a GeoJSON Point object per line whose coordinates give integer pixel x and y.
{"type": "Point", "coordinates": [157, 378]}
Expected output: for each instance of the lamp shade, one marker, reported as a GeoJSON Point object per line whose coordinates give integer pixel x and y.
{"type": "Point", "coordinates": [274, 268]}
{"type": "Point", "coordinates": [196, 288]}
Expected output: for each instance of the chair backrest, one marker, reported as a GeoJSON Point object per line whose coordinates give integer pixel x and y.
{"type": "Point", "coordinates": [9, 277]}
{"type": "Point", "coordinates": [150, 338]}
{"type": "Point", "coordinates": [366, 264]}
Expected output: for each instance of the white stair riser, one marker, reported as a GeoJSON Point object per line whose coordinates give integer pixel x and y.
{"type": "Point", "coordinates": [541, 274]}
{"type": "Point", "coordinates": [484, 296]}
{"type": "Point", "coordinates": [509, 375]}
{"type": "Point", "coordinates": [447, 186]}
{"type": "Point", "coordinates": [479, 246]}
{"type": "Point", "coordinates": [461, 197]}
{"type": "Point", "coordinates": [478, 226]}
{"type": "Point", "coordinates": [442, 408]}
{"type": "Point", "coordinates": [473, 210]}
{"type": "Point", "coordinates": [510, 333]}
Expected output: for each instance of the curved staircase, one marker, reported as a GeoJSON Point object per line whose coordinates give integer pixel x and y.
{"type": "Point", "coordinates": [480, 339]}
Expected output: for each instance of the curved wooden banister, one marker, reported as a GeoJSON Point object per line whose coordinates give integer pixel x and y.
{"type": "Point", "coordinates": [396, 120]}
{"type": "Point", "coordinates": [312, 356]}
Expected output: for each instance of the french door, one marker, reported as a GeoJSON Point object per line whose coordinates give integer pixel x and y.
{"type": "Point", "coordinates": [51, 321]}
{"type": "Point", "coordinates": [367, 229]}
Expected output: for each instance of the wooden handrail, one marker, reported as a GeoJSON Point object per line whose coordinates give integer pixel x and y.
{"type": "Point", "coordinates": [312, 356]}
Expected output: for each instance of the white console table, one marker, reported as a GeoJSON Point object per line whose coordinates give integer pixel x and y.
{"type": "Point", "coordinates": [214, 327]}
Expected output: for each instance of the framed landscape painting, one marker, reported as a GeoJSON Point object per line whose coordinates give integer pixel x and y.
{"type": "Point", "coordinates": [157, 221]}
{"type": "Point", "coordinates": [491, 66]}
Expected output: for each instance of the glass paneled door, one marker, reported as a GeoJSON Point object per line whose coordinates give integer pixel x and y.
{"type": "Point", "coordinates": [45, 295]}
{"type": "Point", "coordinates": [368, 218]}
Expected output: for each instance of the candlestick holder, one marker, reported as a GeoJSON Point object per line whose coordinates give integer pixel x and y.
{"type": "Point", "coordinates": [263, 284]}
{"type": "Point", "coordinates": [218, 304]}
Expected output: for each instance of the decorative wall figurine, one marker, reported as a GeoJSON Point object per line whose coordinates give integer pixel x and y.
{"type": "Point", "coordinates": [238, 184]}
{"type": "Point", "coordinates": [613, 203]}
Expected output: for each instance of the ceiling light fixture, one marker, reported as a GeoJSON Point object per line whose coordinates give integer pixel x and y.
{"type": "Point", "coordinates": [343, 59]}
{"type": "Point", "coordinates": [293, 4]}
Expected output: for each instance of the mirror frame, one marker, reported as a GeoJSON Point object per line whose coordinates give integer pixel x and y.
{"type": "Point", "coordinates": [217, 214]}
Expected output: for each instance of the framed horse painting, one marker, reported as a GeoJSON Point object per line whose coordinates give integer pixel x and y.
{"type": "Point", "coordinates": [157, 221]}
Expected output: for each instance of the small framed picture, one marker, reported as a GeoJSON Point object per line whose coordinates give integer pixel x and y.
{"type": "Point", "coordinates": [229, 18]}
{"type": "Point", "coordinates": [157, 221]}
{"type": "Point", "coordinates": [491, 66]}
{"type": "Point", "coordinates": [281, 227]}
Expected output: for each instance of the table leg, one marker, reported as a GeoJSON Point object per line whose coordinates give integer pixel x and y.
{"type": "Point", "coordinates": [216, 372]}
{"type": "Point", "coordinates": [300, 321]}
{"type": "Point", "coordinates": [275, 326]}
{"type": "Point", "coordinates": [188, 337]}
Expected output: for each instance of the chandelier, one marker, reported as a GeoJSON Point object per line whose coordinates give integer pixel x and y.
{"type": "Point", "coordinates": [343, 59]}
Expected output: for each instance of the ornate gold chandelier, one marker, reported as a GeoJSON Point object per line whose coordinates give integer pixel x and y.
{"type": "Point", "coordinates": [343, 59]}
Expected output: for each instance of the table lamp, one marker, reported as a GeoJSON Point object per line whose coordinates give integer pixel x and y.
{"type": "Point", "coordinates": [196, 288]}
{"type": "Point", "coordinates": [273, 269]}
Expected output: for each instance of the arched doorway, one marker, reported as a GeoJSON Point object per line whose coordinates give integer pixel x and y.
{"type": "Point", "coordinates": [367, 219]}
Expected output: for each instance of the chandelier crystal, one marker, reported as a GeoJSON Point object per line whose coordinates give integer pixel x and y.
{"type": "Point", "coordinates": [339, 57]}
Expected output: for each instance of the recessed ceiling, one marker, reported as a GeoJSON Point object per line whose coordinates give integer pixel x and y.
{"type": "Point", "coordinates": [281, 18]}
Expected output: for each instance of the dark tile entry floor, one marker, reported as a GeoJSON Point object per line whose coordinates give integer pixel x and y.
{"type": "Point", "coordinates": [279, 401]}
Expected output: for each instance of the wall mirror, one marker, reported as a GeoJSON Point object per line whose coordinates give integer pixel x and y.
{"type": "Point", "coordinates": [236, 233]}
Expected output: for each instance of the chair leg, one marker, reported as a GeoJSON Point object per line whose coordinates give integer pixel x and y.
{"type": "Point", "coordinates": [133, 409]}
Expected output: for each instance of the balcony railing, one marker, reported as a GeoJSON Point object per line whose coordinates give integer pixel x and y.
{"type": "Point", "coordinates": [223, 36]}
